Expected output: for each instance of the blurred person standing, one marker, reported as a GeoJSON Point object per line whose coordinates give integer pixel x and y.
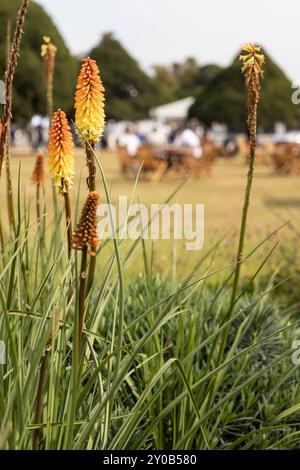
{"type": "Point", "coordinates": [131, 141]}
{"type": "Point", "coordinates": [188, 138]}
{"type": "Point", "coordinates": [156, 137]}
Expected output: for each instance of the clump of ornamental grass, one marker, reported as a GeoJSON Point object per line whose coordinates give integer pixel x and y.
{"type": "Point", "coordinates": [61, 163]}
{"type": "Point", "coordinates": [38, 178]}
{"type": "Point", "coordinates": [146, 384]}
{"type": "Point", "coordinates": [86, 236]}
{"type": "Point", "coordinates": [90, 120]}
{"type": "Point", "coordinates": [48, 53]}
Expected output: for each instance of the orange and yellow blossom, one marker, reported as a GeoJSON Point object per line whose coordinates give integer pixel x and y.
{"type": "Point", "coordinates": [89, 103]}
{"type": "Point", "coordinates": [61, 148]}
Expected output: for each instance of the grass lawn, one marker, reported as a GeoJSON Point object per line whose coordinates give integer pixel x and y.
{"type": "Point", "coordinates": [275, 199]}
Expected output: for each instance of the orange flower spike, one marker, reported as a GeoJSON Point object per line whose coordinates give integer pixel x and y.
{"type": "Point", "coordinates": [38, 175]}
{"type": "Point", "coordinates": [61, 150]}
{"type": "Point", "coordinates": [89, 103]}
{"type": "Point", "coordinates": [86, 232]}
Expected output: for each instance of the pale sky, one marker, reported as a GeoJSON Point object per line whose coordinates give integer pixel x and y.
{"type": "Point", "coordinates": [164, 31]}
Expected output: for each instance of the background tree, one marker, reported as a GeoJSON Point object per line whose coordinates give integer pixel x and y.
{"type": "Point", "coordinates": [130, 92]}
{"type": "Point", "coordinates": [223, 99]}
{"type": "Point", "coordinates": [186, 78]}
{"type": "Point", "coordinates": [29, 85]}
{"type": "Point", "coordinates": [167, 80]}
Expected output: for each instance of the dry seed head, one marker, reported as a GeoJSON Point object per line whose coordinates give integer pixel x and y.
{"type": "Point", "coordinates": [38, 175]}
{"type": "Point", "coordinates": [252, 67]}
{"type": "Point", "coordinates": [60, 149]}
{"type": "Point", "coordinates": [89, 103]}
{"type": "Point", "coordinates": [86, 232]}
{"type": "Point", "coordinates": [252, 70]}
{"type": "Point", "coordinates": [48, 53]}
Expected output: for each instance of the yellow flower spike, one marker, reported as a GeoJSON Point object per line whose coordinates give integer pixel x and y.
{"type": "Point", "coordinates": [48, 48]}
{"type": "Point", "coordinates": [252, 69]}
{"type": "Point", "coordinates": [249, 47]}
{"type": "Point", "coordinates": [252, 62]}
{"type": "Point", "coordinates": [89, 103]}
{"type": "Point", "coordinates": [61, 148]}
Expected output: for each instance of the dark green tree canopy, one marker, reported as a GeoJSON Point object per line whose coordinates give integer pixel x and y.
{"type": "Point", "coordinates": [130, 92]}
{"type": "Point", "coordinates": [185, 79]}
{"type": "Point", "coordinates": [29, 85]}
{"type": "Point", "coordinates": [224, 99]}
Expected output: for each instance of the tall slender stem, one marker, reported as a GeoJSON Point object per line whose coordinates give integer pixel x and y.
{"type": "Point", "coordinates": [1, 237]}
{"type": "Point", "coordinates": [68, 222]}
{"type": "Point", "coordinates": [9, 187]}
{"type": "Point", "coordinates": [39, 401]}
{"type": "Point", "coordinates": [50, 95]}
{"type": "Point", "coordinates": [92, 187]}
{"type": "Point", "coordinates": [82, 289]}
{"type": "Point", "coordinates": [43, 366]}
{"type": "Point", "coordinates": [253, 72]}
{"type": "Point", "coordinates": [243, 224]}
{"type": "Point", "coordinates": [38, 202]}
{"type": "Point", "coordinates": [91, 166]}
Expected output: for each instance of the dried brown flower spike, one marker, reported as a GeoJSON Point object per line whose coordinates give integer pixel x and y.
{"type": "Point", "coordinates": [48, 53]}
{"type": "Point", "coordinates": [14, 55]}
{"type": "Point", "coordinates": [85, 236]}
{"type": "Point", "coordinates": [86, 232]}
{"type": "Point", "coordinates": [252, 69]}
{"type": "Point", "coordinates": [252, 63]}
{"type": "Point", "coordinates": [38, 178]}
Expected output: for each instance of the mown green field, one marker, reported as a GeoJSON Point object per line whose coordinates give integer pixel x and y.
{"type": "Point", "coordinates": [275, 200]}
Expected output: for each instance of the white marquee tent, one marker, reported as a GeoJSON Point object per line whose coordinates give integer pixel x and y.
{"type": "Point", "coordinates": [175, 111]}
